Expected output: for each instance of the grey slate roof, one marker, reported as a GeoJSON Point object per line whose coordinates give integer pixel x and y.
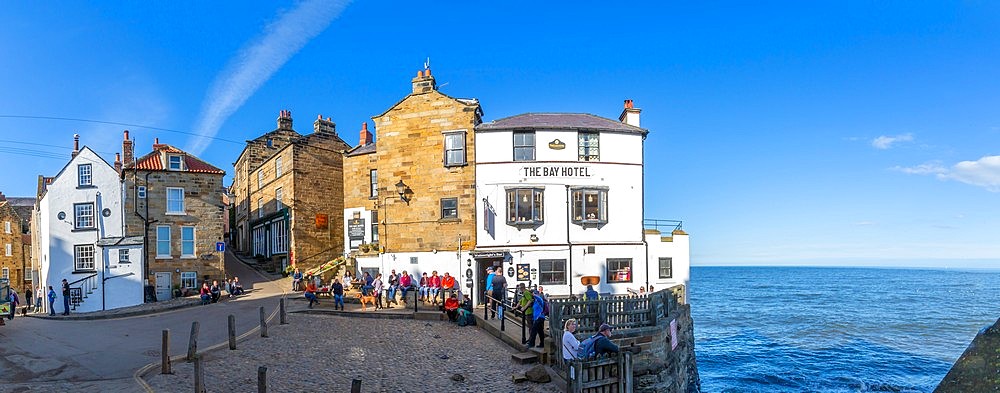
{"type": "Point", "coordinates": [369, 148]}
{"type": "Point", "coordinates": [120, 241]}
{"type": "Point", "coordinates": [556, 121]}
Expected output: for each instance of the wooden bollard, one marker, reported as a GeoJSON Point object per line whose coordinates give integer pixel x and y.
{"type": "Point", "coordinates": [193, 342]}
{"type": "Point", "coordinates": [165, 353]}
{"type": "Point", "coordinates": [232, 332]}
{"type": "Point", "coordinates": [199, 375]}
{"type": "Point", "coordinates": [263, 323]}
{"type": "Point", "coordinates": [356, 386]}
{"type": "Point", "coordinates": [281, 307]}
{"type": "Point", "coordinates": [261, 379]}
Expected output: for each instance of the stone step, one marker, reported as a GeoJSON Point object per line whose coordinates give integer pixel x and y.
{"type": "Point", "coordinates": [428, 316]}
{"type": "Point", "coordinates": [524, 357]}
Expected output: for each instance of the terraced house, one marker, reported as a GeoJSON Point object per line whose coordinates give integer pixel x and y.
{"type": "Point", "coordinates": [15, 257]}
{"type": "Point", "coordinates": [287, 196]}
{"type": "Point", "coordinates": [173, 202]}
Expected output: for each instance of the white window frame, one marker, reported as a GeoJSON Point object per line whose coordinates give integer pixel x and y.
{"type": "Point", "coordinates": [373, 184]}
{"type": "Point", "coordinates": [277, 167]}
{"type": "Point", "coordinates": [172, 209]}
{"type": "Point", "coordinates": [82, 219]}
{"type": "Point", "coordinates": [123, 256]}
{"type": "Point", "coordinates": [588, 146]}
{"type": "Point", "coordinates": [173, 159]}
{"type": "Point", "coordinates": [260, 179]}
{"type": "Point", "coordinates": [278, 195]}
{"type": "Point", "coordinates": [6, 273]}
{"type": "Point", "coordinates": [141, 192]}
{"type": "Point", "coordinates": [582, 206]}
{"type": "Point", "coordinates": [455, 155]}
{"type": "Point", "coordinates": [260, 207]}
{"type": "Point", "coordinates": [6, 226]}
{"type": "Point", "coordinates": [279, 237]}
{"type": "Point", "coordinates": [669, 269]}
{"type": "Point", "coordinates": [83, 257]}
{"type": "Point", "coordinates": [85, 175]}
{"type": "Point", "coordinates": [9, 249]}
{"type": "Point", "coordinates": [189, 277]}
{"type": "Point", "coordinates": [524, 146]}
{"type": "Point", "coordinates": [536, 204]}
{"type": "Point", "coordinates": [185, 242]}
{"type": "Point", "coordinates": [162, 240]}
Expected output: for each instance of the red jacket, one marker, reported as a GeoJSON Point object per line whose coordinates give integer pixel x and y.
{"type": "Point", "coordinates": [448, 282]}
{"type": "Point", "coordinates": [451, 304]}
{"type": "Point", "coordinates": [434, 282]}
{"type": "Point", "coordinates": [404, 281]}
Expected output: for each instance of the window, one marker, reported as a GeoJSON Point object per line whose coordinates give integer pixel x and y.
{"type": "Point", "coordinates": [85, 174]}
{"type": "Point", "coordinates": [259, 242]}
{"type": "Point", "coordinates": [277, 167]}
{"type": "Point", "coordinates": [551, 271]}
{"type": "Point", "coordinates": [278, 194]}
{"type": "Point", "coordinates": [163, 241]}
{"type": "Point", "coordinates": [187, 242]}
{"type": "Point", "coordinates": [260, 179]}
{"type": "Point", "coordinates": [260, 208]}
{"type": "Point", "coordinates": [619, 269]}
{"type": "Point", "coordinates": [589, 144]}
{"type": "Point", "coordinates": [189, 279]}
{"type": "Point", "coordinates": [141, 192]}
{"type": "Point", "coordinates": [524, 206]}
{"type": "Point", "coordinates": [8, 250]}
{"type": "Point", "coordinates": [454, 148]}
{"type": "Point", "coordinates": [449, 208]}
{"type": "Point", "coordinates": [524, 146]}
{"type": "Point", "coordinates": [84, 257]}
{"type": "Point", "coordinates": [123, 256]}
{"type": "Point", "coordinates": [590, 206]}
{"type": "Point", "coordinates": [279, 237]}
{"type": "Point", "coordinates": [6, 226]}
{"type": "Point", "coordinates": [174, 162]}
{"type": "Point", "coordinates": [83, 214]}
{"type": "Point", "coordinates": [666, 267]}
{"type": "Point", "coordinates": [373, 184]}
{"type": "Point", "coordinates": [175, 200]}
{"type": "Point", "coordinates": [374, 226]}
{"type": "Point", "coordinates": [6, 273]}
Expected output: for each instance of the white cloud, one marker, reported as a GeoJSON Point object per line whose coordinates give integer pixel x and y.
{"type": "Point", "coordinates": [885, 142]}
{"type": "Point", "coordinates": [929, 168]}
{"type": "Point", "coordinates": [256, 62]}
{"type": "Point", "coordinates": [865, 223]}
{"type": "Point", "coordinates": [984, 172]}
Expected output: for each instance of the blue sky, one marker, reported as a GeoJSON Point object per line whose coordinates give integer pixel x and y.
{"type": "Point", "coordinates": [845, 133]}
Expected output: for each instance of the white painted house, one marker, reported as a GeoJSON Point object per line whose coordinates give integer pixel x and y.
{"type": "Point", "coordinates": [81, 236]}
{"type": "Point", "coordinates": [561, 198]}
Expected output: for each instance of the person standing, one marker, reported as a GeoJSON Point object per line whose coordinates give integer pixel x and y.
{"type": "Point", "coordinates": [38, 298]}
{"type": "Point", "coordinates": [489, 291]}
{"type": "Point", "coordinates": [377, 289]}
{"type": "Point", "coordinates": [338, 294]}
{"type": "Point", "coordinates": [499, 291]}
{"type": "Point", "coordinates": [570, 344]}
{"type": "Point", "coordinates": [537, 320]}
{"type": "Point", "coordinates": [591, 294]}
{"type": "Point", "coordinates": [65, 293]}
{"type": "Point", "coordinates": [52, 301]}
{"type": "Point", "coordinates": [28, 298]}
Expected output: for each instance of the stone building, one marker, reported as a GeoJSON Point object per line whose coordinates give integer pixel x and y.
{"type": "Point", "coordinates": [413, 191]}
{"type": "Point", "coordinates": [15, 257]}
{"type": "Point", "coordinates": [173, 200]}
{"type": "Point", "coordinates": [287, 195]}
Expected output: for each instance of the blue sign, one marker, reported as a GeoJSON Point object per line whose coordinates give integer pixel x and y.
{"type": "Point", "coordinates": [220, 246]}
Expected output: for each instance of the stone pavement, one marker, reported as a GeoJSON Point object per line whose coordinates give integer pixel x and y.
{"type": "Point", "coordinates": [141, 309]}
{"type": "Point", "coordinates": [324, 353]}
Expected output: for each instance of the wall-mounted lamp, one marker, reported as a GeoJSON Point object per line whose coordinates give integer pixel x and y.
{"type": "Point", "coordinates": [402, 190]}
{"type": "Point", "coordinates": [468, 262]}
{"type": "Point", "coordinates": [533, 237]}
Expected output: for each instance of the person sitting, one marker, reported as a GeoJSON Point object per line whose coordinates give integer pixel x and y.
{"type": "Point", "coordinates": [311, 293]}
{"type": "Point", "coordinates": [237, 287]}
{"type": "Point", "coordinates": [451, 307]}
{"type": "Point", "coordinates": [366, 288]}
{"type": "Point", "coordinates": [216, 291]}
{"type": "Point", "coordinates": [296, 279]}
{"type": "Point", "coordinates": [591, 294]}
{"type": "Point", "coordinates": [338, 294]}
{"type": "Point", "coordinates": [405, 280]}
{"type": "Point", "coordinates": [206, 293]}
{"type": "Point", "coordinates": [603, 345]}
{"type": "Point", "coordinates": [424, 281]}
{"type": "Point", "coordinates": [447, 283]}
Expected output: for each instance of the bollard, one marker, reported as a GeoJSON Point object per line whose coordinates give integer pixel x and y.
{"type": "Point", "coordinates": [193, 342]}
{"type": "Point", "coordinates": [232, 332]}
{"type": "Point", "coordinates": [356, 386]}
{"type": "Point", "coordinates": [165, 353]}
{"type": "Point", "coordinates": [416, 299]}
{"type": "Point", "coordinates": [199, 375]}
{"type": "Point", "coordinates": [261, 379]}
{"type": "Point", "coordinates": [281, 306]}
{"type": "Point", "coordinates": [500, 315]}
{"type": "Point", "coordinates": [263, 323]}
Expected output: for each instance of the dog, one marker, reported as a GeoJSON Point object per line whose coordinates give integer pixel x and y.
{"type": "Point", "coordinates": [365, 300]}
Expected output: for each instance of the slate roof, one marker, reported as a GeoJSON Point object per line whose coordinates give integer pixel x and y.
{"type": "Point", "coordinates": [120, 241]}
{"type": "Point", "coordinates": [573, 121]}
{"type": "Point", "coordinates": [154, 162]}
{"type": "Point", "coordinates": [366, 149]}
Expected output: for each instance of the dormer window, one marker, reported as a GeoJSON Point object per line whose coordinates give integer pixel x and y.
{"type": "Point", "coordinates": [174, 162]}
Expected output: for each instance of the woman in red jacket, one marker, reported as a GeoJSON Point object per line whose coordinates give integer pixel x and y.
{"type": "Point", "coordinates": [451, 306]}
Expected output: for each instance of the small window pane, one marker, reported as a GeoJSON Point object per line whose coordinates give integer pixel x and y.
{"type": "Point", "coordinates": [174, 163]}
{"type": "Point", "coordinates": [619, 270]}
{"type": "Point", "coordinates": [666, 267]}
{"type": "Point", "coordinates": [449, 208]}
{"type": "Point", "coordinates": [551, 271]}
{"type": "Point", "coordinates": [454, 148]}
{"type": "Point", "coordinates": [85, 174]}
{"type": "Point", "coordinates": [189, 279]}
{"type": "Point", "coordinates": [163, 241]}
{"type": "Point", "coordinates": [524, 146]}
{"type": "Point", "coordinates": [84, 257]}
{"type": "Point", "coordinates": [187, 241]}
{"type": "Point", "coordinates": [175, 200]}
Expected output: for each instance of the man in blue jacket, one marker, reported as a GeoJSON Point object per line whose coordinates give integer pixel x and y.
{"type": "Point", "coordinates": [538, 320]}
{"type": "Point", "coordinates": [603, 344]}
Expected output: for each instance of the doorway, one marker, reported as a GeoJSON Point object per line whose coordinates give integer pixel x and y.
{"type": "Point", "coordinates": [482, 265]}
{"type": "Point", "coordinates": [163, 286]}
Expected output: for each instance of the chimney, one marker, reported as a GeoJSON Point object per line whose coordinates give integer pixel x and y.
{"type": "Point", "coordinates": [2, 197]}
{"type": "Point", "coordinates": [285, 120]}
{"type": "Point", "coordinates": [127, 149]}
{"type": "Point", "coordinates": [424, 82]}
{"type": "Point", "coordinates": [630, 115]}
{"type": "Point", "coordinates": [366, 136]}
{"type": "Point", "coordinates": [118, 163]}
{"type": "Point", "coordinates": [321, 126]}
{"type": "Point", "coordinates": [76, 145]}
{"type": "Point", "coordinates": [156, 143]}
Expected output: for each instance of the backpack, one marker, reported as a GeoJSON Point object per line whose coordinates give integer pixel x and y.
{"type": "Point", "coordinates": [587, 348]}
{"type": "Point", "coordinates": [545, 308]}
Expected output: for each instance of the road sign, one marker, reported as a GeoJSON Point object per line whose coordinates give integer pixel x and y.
{"type": "Point", "coordinates": [220, 246]}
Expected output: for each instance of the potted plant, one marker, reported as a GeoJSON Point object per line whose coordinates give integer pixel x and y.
{"type": "Point", "coordinates": [177, 290]}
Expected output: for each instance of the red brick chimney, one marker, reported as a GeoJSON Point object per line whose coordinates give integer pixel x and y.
{"type": "Point", "coordinates": [118, 163]}
{"type": "Point", "coordinates": [285, 120]}
{"type": "Point", "coordinates": [424, 82]}
{"type": "Point", "coordinates": [127, 149]}
{"type": "Point", "coordinates": [366, 136]}
{"type": "Point", "coordinates": [630, 115]}
{"type": "Point", "coordinates": [2, 197]}
{"type": "Point", "coordinates": [76, 145]}
{"type": "Point", "coordinates": [156, 143]}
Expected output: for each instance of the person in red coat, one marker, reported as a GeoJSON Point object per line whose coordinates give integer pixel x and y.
{"type": "Point", "coordinates": [451, 306]}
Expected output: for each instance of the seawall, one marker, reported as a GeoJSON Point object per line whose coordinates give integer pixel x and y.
{"type": "Point", "coordinates": [978, 369]}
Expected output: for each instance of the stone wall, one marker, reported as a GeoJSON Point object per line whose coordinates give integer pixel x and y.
{"type": "Point", "coordinates": [978, 369]}
{"type": "Point", "coordinates": [659, 367]}
{"type": "Point", "coordinates": [20, 253]}
{"type": "Point", "coordinates": [319, 189]}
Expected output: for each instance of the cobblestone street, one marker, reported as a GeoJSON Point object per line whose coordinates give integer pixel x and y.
{"type": "Point", "coordinates": [324, 353]}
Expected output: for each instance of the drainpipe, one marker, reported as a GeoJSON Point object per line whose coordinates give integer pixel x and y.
{"type": "Point", "coordinates": [642, 211]}
{"type": "Point", "coordinates": [569, 216]}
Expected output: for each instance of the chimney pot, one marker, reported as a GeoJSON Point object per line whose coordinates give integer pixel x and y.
{"type": "Point", "coordinates": [76, 145]}
{"type": "Point", "coordinates": [366, 136]}
{"type": "Point", "coordinates": [428, 72]}
{"type": "Point", "coordinates": [420, 74]}
{"type": "Point", "coordinates": [126, 135]}
{"type": "Point", "coordinates": [156, 141]}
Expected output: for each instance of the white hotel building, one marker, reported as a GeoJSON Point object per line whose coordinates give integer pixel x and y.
{"type": "Point", "coordinates": [561, 198]}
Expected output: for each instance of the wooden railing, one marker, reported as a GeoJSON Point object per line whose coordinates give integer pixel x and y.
{"type": "Point", "coordinates": [604, 374]}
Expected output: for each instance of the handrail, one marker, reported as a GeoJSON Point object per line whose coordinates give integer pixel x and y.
{"type": "Point", "coordinates": [674, 225]}
{"type": "Point", "coordinates": [512, 315]}
{"type": "Point", "coordinates": [82, 279]}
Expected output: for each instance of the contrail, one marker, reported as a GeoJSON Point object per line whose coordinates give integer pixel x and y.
{"type": "Point", "coordinates": [256, 62]}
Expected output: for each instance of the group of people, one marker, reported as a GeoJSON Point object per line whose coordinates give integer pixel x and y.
{"type": "Point", "coordinates": [212, 293]}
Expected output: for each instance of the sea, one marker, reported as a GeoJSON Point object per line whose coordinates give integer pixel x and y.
{"type": "Point", "coordinates": [832, 329]}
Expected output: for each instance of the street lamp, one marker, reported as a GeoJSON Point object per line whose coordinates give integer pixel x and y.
{"type": "Point", "coordinates": [402, 189]}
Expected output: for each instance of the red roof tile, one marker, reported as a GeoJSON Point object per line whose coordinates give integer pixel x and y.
{"type": "Point", "coordinates": [154, 161]}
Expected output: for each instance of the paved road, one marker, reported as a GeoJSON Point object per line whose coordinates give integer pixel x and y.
{"type": "Point", "coordinates": [35, 352]}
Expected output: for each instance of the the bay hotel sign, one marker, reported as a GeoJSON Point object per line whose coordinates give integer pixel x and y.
{"type": "Point", "coordinates": [556, 171]}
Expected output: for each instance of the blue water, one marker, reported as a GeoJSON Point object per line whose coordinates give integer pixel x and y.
{"type": "Point", "coordinates": [803, 329]}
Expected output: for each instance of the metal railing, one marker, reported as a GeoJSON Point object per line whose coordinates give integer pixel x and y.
{"type": "Point", "coordinates": [76, 294]}
{"type": "Point", "coordinates": [669, 225]}
{"type": "Point", "coordinates": [507, 310]}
